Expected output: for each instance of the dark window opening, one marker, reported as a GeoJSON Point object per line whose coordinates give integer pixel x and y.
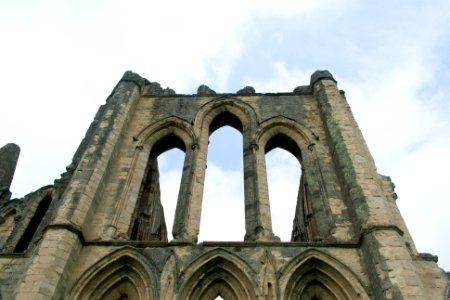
{"type": "Point", "coordinates": [134, 231]}
{"type": "Point", "coordinates": [166, 143]}
{"type": "Point", "coordinates": [33, 225]}
{"type": "Point", "coordinates": [284, 142]}
{"type": "Point", "coordinates": [225, 119]}
{"type": "Point", "coordinates": [124, 297]}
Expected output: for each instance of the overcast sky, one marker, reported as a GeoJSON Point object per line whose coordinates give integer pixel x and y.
{"type": "Point", "coordinates": [59, 60]}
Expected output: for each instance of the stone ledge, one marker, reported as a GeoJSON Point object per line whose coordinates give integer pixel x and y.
{"type": "Point", "coordinates": [373, 228]}
{"type": "Point", "coordinates": [428, 257]}
{"type": "Point", "coordinates": [158, 244]}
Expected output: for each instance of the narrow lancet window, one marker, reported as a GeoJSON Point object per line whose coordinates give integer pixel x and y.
{"type": "Point", "coordinates": [149, 223]}
{"type": "Point", "coordinates": [223, 208]}
{"type": "Point", "coordinates": [288, 191]}
{"type": "Point", "coordinates": [33, 225]}
{"type": "Point", "coordinates": [283, 175]}
{"type": "Point", "coordinates": [159, 186]}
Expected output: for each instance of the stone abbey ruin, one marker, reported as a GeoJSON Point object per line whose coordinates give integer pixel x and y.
{"type": "Point", "coordinates": [99, 231]}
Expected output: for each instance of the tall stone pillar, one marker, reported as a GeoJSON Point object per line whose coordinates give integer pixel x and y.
{"type": "Point", "coordinates": [9, 155]}
{"type": "Point", "coordinates": [186, 225]}
{"type": "Point", "coordinates": [389, 263]}
{"type": "Point", "coordinates": [258, 220]}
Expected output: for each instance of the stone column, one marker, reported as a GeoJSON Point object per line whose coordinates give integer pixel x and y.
{"type": "Point", "coordinates": [47, 276]}
{"type": "Point", "coordinates": [186, 224]}
{"type": "Point", "coordinates": [9, 154]}
{"type": "Point", "coordinates": [258, 222]}
{"type": "Point", "coordinates": [383, 247]}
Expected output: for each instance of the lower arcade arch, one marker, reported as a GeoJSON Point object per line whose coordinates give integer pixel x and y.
{"type": "Point", "coordinates": [218, 274]}
{"type": "Point", "coordinates": [118, 276]}
{"type": "Point", "coordinates": [315, 275]}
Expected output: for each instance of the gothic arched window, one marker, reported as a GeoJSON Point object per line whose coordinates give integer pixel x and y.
{"type": "Point", "coordinates": [284, 173]}
{"type": "Point", "coordinates": [223, 198]}
{"type": "Point", "coordinates": [161, 177]}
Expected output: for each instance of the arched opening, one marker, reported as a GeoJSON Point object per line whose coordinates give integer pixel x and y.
{"type": "Point", "coordinates": [288, 190]}
{"type": "Point", "coordinates": [219, 289]}
{"type": "Point", "coordinates": [155, 209]}
{"type": "Point", "coordinates": [33, 225]}
{"type": "Point", "coordinates": [315, 290]}
{"type": "Point", "coordinates": [122, 279]}
{"type": "Point", "coordinates": [170, 165]}
{"type": "Point", "coordinates": [283, 177]}
{"type": "Point", "coordinates": [223, 208]}
{"type": "Point", "coordinates": [315, 279]}
{"type": "Point", "coordinates": [218, 277]}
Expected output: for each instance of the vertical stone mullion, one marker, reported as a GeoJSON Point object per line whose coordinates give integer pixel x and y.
{"type": "Point", "coordinates": [187, 215]}
{"type": "Point", "coordinates": [189, 205]}
{"type": "Point", "coordinates": [317, 196]}
{"type": "Point", "coordinates": [258, 222]}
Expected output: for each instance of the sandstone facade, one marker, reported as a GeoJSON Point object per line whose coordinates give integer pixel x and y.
{"type": "Point", "coordinates": [99, 232]}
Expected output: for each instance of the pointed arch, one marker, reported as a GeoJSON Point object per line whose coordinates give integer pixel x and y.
{"type": "Point", "coordinates": [238, 108]}
{"type": "Point", "coordinates": [268, 279]}
{"type": "Point", "coordinates": [218, 114]}
{"type": "Point", "coordinates": [312, 203]}
{"type": "Point", "coordinates": [165, 134]}
{"type": "Point", "coordinates": [219, 273]}
{"type": "Point", "coordinates": [121, 273]}
{"type": "Point", "coordinates": [302, 135]}
{"type": "Point", "coordinates": [316, 274]}
{"type": "Point", "coordinates": [170, 125]}
{"type": "Point", "coordinates": [227, 111]}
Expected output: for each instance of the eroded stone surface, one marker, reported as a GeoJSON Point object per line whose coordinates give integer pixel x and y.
{"type": "Point", "coordinates": [9, 155]}
{"type": "Point", "coordinates": [99, 232]}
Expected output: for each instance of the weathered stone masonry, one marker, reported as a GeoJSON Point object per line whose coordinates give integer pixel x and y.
{"type": "Point", "coordinates": [99, 232]}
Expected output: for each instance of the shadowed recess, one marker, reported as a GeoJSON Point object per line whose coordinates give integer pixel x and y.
{"type": "Point", "coordinates": [33, 225]}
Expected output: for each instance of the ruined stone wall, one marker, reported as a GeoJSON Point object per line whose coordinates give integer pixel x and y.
{"type": "Point", "coordinates": [103, 234]}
